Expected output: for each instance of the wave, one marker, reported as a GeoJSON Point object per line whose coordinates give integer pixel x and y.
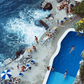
{"type": "Point", "coordinates": [19, 31]}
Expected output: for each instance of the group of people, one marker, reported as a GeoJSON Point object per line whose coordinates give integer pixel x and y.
{"type": "Point", "coordinates": [25, 68]}
{"type": "Point", "coordinates": [14, 80]}
{"type": "Point", "coordinates": [52, 32]}
{"type": "Point", "coordinates": [49, 34]}
{"type": "Point", "coordinates": [66, 6]}
{"type": "Point", "coordinates": [48, 68]}
{"type": "Point", "coordinates": [33, 47]}
{"type": "Point", "coordinates": [71, 7]}
{"type": "Point", "coordinates": [64, 3]}
{"type": "Point", "coordinates": [77, 3]}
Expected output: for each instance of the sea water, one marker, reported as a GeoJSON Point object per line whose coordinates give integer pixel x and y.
{"type": "Point", "coordinates": [19, 24]}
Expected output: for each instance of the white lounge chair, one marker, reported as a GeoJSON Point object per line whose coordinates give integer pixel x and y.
{"type": "Point", "coordinates": [7, 61]}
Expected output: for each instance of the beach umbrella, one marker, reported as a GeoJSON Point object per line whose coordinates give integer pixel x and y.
{"type": "Point", "coordinates": [6, 74]}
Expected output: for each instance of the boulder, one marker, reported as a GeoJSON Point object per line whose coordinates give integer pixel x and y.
{"type": "Point", "coordinates": [82, 54]}
{"type": "Point", "coordinates": [50, 15]}
{"type": "Point", "coordinates": [81, 62]}
{"type": "Point", "coordinates": [37, 23]}
{"type": "Point", "coordinates": [44, 24]}
{"type": "Point", "coordinates": [48, 6]}
{"type": "Point", "coordinates": [18, 53]}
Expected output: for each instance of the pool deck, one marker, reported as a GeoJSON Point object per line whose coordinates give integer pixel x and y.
{"type": "Point", "coordinates": [44, 52]}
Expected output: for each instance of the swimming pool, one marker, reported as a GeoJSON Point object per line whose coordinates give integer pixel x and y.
{"type": "Point", "coordinates": [67, 61]}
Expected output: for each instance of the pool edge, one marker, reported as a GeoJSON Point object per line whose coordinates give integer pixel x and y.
{"type": "Point", "coordinates": [56, 52]}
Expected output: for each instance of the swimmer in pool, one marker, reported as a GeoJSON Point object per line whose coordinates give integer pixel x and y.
{"type": "Point", "coordinates": [72, 49]}
{"type": "Point", "coordinates": [65, 75]}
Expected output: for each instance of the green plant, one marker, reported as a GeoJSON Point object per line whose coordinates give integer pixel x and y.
{"type": "Point", "coordinates": [80, 27]}
{"type": "Point", "coordinates": [79, 9]}
{"type": "Point", "coordinates": [79, 82]}
{"type": "Point", "coordinates": [82, 73]}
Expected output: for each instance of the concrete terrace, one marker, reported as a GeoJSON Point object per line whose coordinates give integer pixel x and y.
{"type": "Point", "coordinates": [44, 52]}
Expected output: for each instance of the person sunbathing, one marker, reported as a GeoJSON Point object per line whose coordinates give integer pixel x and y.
{"type": "Point", "coordinates": [60, 7]}
{"type": "Point", "coordinates": [64, 3]}
{"type": "Point", "coordinates": [29, 49]}
{"type": "Point", "coordinates": [18, 80]}
{"type": "Point", "coordinates": [23, 68]}
{"type": "Point", "coordinates": [49, 34]}
{"type": "Point", "coordinates": [9, 82]}
{"type": "Point", "coordinates": [66, 7]}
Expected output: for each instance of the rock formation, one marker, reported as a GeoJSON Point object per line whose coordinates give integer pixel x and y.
{"type": "Point", "coordinates": [48, 6]}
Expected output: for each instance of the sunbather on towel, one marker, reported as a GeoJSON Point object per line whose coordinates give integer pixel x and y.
{"type": "Point", "coordinates": [60, 7]}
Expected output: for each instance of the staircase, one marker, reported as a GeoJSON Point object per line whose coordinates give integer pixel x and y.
{"type": "Point", "coordinates": [43, 4]}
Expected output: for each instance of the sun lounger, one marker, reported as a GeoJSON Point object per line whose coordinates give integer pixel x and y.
{"type": "Point", "coordinates": [19, 58]}
{"type": "Point", "coordinates": [42, 42]}
{"type": "Point", "coordinates": [56, 30]}
{"type": "Point", "coordinates": [7, 61]}
{"type": "Point", "coordinates": [29, 57]}
{"type": "Point", "coordinates": [46, 38]}
{"type": "Point", "coordinates": [62, 23]}
{"type": "Point", "coordinates": [25, 59]}
{"type": "Point", "coordinates": [66, 19]}
{"type": "Point", "coordinates": [8, 83]}
{"type": "Point", "coordinates": [28, 66]}
{"type": "Point", "coordinates": [58, 22]}
{"type": "Point", "coordinates": [21, 74]}
{"type": "Point", "coordinates": [33, 62]}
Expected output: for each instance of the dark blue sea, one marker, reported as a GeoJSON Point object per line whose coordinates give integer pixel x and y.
{"type": "Point", "coordinates": [19, 23]}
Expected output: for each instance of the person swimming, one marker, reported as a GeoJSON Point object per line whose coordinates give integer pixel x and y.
{"type": "Point", "coordinates": [65, 75]}
{"type": "Point", "coordinates": [72, 49]}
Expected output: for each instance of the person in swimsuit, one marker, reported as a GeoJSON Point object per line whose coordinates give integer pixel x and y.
{"type": "Point", "coordinates": [34, 48]}
{"type": "Point", "coordinates": [53, 69]}
{"type": "Point", "coordinates": [48, 68]}
{"type": "Point", "coordinates": [72, 49]}
{"type": "Point", "coordinates": [36, 39]}
{"type": "Point", "coordinates": [65, 75]}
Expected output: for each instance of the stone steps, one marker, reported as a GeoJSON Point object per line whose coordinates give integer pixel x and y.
{"type": "Point", "coordinates": [43, 4]}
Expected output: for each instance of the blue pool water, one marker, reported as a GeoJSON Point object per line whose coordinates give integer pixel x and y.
{"type": "Point", "coordinates": [57, 78]}
{"type": "Point", "coordinates": [67, 61]}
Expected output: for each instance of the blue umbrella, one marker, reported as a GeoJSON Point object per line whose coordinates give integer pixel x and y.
{"type": "Point", "coordinates": [6, 74]}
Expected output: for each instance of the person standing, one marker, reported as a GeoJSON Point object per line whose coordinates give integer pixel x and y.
{"type": "Point", "coordinates": [36, 39]}
{"type": "Point", "coordinates": [34, 48]}
{"type": "Point", "coordinates": [53, 69]}
{"type": "Point", "coordinates": [48, 68]}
